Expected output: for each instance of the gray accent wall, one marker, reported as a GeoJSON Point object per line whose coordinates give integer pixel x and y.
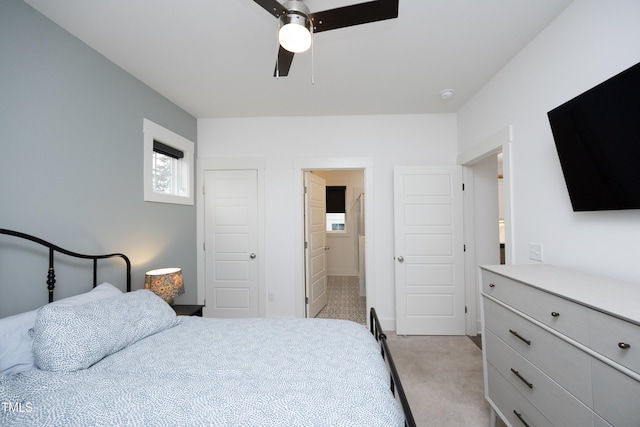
{"type": "Point", "coordinates": [71, 147]}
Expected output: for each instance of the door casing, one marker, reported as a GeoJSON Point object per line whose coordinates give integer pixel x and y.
{"type": "Point", "coordinates": [500, 141]}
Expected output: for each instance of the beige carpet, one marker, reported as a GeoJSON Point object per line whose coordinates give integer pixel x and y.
{"type": "Point", "coordinates": [442, 377]}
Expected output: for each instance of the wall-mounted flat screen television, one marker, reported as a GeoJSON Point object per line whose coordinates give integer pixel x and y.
{"type": "Point", "coordinates": [597, 136]}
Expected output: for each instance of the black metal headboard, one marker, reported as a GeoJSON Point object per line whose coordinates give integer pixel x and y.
{"type": "Point", "coordinates": [51, 275]}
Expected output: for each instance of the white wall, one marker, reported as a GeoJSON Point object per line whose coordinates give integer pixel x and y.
{"type": "Point", "coordinates": [388, 140]}
{"type": "Point", "coordinates": [589, 42]}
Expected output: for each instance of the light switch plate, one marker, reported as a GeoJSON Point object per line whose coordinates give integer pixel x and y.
{"type": "Point", "coordinates": [535, 251]}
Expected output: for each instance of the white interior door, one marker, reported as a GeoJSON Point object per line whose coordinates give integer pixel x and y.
{"type": "Point", "coordinates": [429, 273]}
{"type": "Point", "coordinates": [231, 243]}
{"type": "Point", "coordinates": [315, 237]}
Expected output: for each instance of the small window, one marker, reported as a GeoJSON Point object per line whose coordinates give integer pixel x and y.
{"type": "Point", "coordinates": [167, 170]}
{"type": "Point", "coordinates": [168, 166]}
{"type": "Point", "coordinates": [336, 212]}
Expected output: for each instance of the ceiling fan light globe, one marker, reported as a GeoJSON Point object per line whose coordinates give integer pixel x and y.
{"type": "Point", "coordinates": [295, 38]}
{"type": "Point", "coordinates": [294, 35]}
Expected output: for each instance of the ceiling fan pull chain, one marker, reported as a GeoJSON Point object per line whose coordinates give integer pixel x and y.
{"type": "Point", "coordinates": [313, 80]}
{"type": "Point", "coordinates": [277, 51]}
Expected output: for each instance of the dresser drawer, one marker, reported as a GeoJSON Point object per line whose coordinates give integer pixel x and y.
{"type": "Point", "coordinates": [616, 397]}
{"type": "Point", "coordinates": [567, 365]}
{"type": "Point", "coordinates": [560, 314]}
{"type": "Point", "coordinates": [514, 407]}
{"type": "Point", "coordinates": [558, 405]}
{"type": "Point", "coordinates": [616, 339]}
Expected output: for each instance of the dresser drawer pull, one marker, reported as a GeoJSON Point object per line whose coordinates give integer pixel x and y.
{"type": "Point", "coordinates": [526, 341]}
{"type": "Point", "coordinates": [491, 285]}
{"type": "Point", "coordinates": [555, 314]}
{"type": "Point", "coordinates": [624, 345]}
{"type": "Point", "coordinates": [517, 374]}
{"type": "Point", "coordinates": [520, 418]}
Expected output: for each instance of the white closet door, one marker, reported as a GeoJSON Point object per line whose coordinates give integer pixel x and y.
{"type": "Point", "coordinates": [429, 258]}
{"type": "Point", "coordinates": [231, 244]}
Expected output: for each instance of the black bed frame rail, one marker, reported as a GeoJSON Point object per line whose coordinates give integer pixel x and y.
{"type": "Point", "coordinates": [396, 384]}
{"type": "Point", "coordinates": [51, 275]}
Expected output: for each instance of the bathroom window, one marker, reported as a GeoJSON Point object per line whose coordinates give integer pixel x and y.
{"type": "Point", "coordinates": [336, 208]}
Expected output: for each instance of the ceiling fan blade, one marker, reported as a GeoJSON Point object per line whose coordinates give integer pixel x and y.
{"type": "Point", "coordinates": [272, 6]}
{"type": "Point", "coordinates": [356, 14]}
{"type": "Point", "coordinates": [284, 63]}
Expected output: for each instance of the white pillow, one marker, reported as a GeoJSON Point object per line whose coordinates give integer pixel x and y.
{"type": "Point", "coordinates": [15, 343]}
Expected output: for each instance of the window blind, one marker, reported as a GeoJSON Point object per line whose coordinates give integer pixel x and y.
{"type": "Point", "coordinates": [161, 148]}
{"type": "Point", "coordinates": [336, 199]}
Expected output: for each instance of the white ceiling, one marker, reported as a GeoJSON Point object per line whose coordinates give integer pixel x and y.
{"type": "Point", "coordinates": [215, 58]}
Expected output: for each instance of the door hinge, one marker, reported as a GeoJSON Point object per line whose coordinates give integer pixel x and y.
{"type": "Point", "coordinates": [204, 246]}
{"type": "Point", "coordinates": [305, 189]}
{"type": "Point", "coordinates": [305, 245]}
{"type": "Point", "coordinates": [464, 248]}
{"type": "Point", "coordinates": [463, 186]}
{"type": "Point", "coordinates": [203, 190]}
{"type": "Point", "coordinates": [306, 300]}
{"type": "Point", "coordinates": [465, 309]}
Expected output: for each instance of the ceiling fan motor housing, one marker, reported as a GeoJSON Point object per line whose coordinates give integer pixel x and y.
{"type": "Point", "coordinates": [297, 13]}
{"type": "Point", "coordinates": [297, 6]}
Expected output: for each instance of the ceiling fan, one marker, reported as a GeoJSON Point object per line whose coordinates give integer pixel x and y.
{"type": "Point", "coordinates": [297, 23]}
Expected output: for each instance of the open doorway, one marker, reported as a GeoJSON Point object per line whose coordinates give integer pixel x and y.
{"type": "Point", "coordinates": [363, 164]}
{"type": "Point", "coordinates": [345, 245]}
{"type": "Point", "coordinates": [487, 211]}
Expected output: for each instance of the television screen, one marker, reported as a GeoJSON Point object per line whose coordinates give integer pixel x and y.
{"type": "Point", "coordinates": [597, 136]}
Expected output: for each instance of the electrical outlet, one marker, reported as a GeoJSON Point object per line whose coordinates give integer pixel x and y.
{"type": "Point", "coordinates": [271, 296]}
{"type": "Point", "coordinates": [535, 251]}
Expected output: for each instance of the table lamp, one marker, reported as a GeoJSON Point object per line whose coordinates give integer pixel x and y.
{"type": "Point", "coordinates": [165, 282]}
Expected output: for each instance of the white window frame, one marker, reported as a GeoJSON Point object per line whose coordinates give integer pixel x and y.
{"type": "Point", "coordinates": [153, 131]}
{"type": "Point", "coordinates": [343, 231]}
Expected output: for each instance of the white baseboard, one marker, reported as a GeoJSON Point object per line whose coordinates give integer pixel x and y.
{"type": "Point", "coordinates": [388, 324]}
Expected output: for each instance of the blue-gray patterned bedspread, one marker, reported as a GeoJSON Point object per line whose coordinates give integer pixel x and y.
{"type": "Point", "coordinates": [218, 372]}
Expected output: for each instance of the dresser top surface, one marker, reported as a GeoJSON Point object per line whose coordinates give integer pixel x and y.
{"type": "Point", "coordinates": [615, 297]}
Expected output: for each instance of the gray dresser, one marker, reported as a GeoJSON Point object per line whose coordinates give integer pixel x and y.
{"type": "Point", "coordinates": [560, 348]}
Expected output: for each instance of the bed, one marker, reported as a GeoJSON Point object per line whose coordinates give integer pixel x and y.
{"type": "Point", "coordinates": [113, 358]}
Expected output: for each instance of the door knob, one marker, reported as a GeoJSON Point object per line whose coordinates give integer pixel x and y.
{"type": "Point", "coordinates": [253, 255]}
{"type": "Point", "coordinates": [400, 258]}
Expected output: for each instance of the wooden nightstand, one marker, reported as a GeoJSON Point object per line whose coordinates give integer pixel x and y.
{"type": "Point", "coordinates": [188, 309]}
